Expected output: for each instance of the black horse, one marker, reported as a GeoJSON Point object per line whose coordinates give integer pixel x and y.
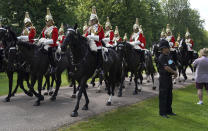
{"type": "Point", "coordinates": [12, 62]}
{"type": "Point", "coordinates": [184, 59]}
{"type": "Point", "coordinates": [149, 68]}
{"type": "Point", "coordinates": [85, 62]}
{"type": "Point", "coordinates": [39, 63]}
{"type": "Point", "coordinates": [132, 63]}
{"type": "Point", "coordinates": [156, 52]}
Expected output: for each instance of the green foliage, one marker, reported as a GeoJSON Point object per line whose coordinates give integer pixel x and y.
{"type": "Point", "coordinates": [144, 116]}
{"type": "Point", "coordinates": [153, 15]}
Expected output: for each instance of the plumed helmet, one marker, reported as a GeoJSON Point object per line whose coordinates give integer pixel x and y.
{"type": "Point", "coordinates": [136, 25]}
{"type": "Point", "coordinates": [27, 18]}
{"type": "Point", "coordinates": [168, 30]}
{"type": "Point", "coordinates": [125, 37]}
{"type": "Point", "coordinates": [116, 32]}
{"type": "Point", "coordinates": [108, 24]}
{"type": "Point", "coordinates": [93, 14]}
{"type": "Point", "coordinates": [162, 33]}
{"type": "Point", "coordinates": [61, 29]}
{"type": "Point", "coordinates": [187, 33]}
{"type": "Point", "coordinates": [48, 15]}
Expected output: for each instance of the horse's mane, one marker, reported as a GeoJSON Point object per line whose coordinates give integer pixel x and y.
{"type": "Point", "coordinates": [26, 44]}
{"type": "Point", "coordinates": [12, 33]}
{"type": "Point", "coordinates": [128, 45]}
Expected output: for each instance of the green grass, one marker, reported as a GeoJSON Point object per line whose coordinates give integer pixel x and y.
{"type": "Point", "coordinates": [143, 116]}
{"type": "Point", "coordinates": [4, 83]}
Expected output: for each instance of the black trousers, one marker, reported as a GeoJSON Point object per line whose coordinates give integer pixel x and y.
{"type": "Point", "coordinates": [51, 55]}
{"type": "Point", "coordinates": [165, 95]}
{"type": "Point", "coordinates": [99, 59]}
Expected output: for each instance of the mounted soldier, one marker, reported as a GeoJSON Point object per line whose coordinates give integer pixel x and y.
{"type": "Point", "coordinates": [171, 40]}
{"type": "Point", "coordinates": [125, 38]}
{"type": "Point", "coordinates": [189, 43]}
{"type": "Point", "coordinates": [117, 37]}
{"type": "Point", "coordinates": [162, 35]}
{"type": "Point", "coordinates": [50, 37]}
{"type": "Point", "coordinates": [142, 38]}
{"type": "Point", "coordinates": [176, 45]}
{"type": "Point", "coordinates": [61, 35]}
{"type": "Point", "coordinates": [109, 34]}
{"type": "Point", "coordinates": [95, 34]}
{"type": "Point", "coordinates": [29, 31]}
{"type": "Point", "coordinates": [136, 40]}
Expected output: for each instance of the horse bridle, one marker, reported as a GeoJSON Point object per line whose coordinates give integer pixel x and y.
{"type": "Point", "coordinates": [84, 58]}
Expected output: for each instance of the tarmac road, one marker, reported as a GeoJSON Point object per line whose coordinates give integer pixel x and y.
{"type": "Point", "coordinates": [21, 115]}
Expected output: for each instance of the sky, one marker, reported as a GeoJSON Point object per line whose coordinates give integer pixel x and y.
{"type": "Point", "coordinates": [202, 7]}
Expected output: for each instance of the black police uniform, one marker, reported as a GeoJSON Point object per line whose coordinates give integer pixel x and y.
{"type": "Point", "coordinates": [165, 85]}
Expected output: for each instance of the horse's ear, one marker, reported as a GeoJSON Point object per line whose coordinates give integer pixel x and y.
{"type": "Point", "coordinates": [75, 26]}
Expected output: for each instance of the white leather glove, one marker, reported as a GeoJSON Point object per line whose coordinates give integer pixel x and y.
{"type": "Point", "coordinates": [171, 44]}
{"type": "Point", "coordinates": [106, 39]}
{"type": "Point", "coordinates": [95, 37]}
{"type": "Point", "coordinates": [189, 44]}
{"type": "Point", "coordinates": [137, 42]}
{"type": "Point", "coordinates": [108, 45]}
{"type": "Point", "coordinates": [48, 42]}
{"type": "Point", "coordinates": [23, 38]}
{"type": "Point", "coordinates": [142, 44]}
{"type": "Point", "coordinates": [59, 49]}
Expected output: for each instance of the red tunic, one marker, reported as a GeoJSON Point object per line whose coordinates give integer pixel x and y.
{"type": "Point", "coordinates": [172, 39]}
{"type": "Point", "coordinates": [118, 40]}
{"type": "Point", "coordinates": [192, 42]}
{"type": "Point", "coordinates": [62, 39]}
{"type": "Point", "coordinates": [142, 40]}
{"type": "Point", "coordinates": [31, 35]}
{"type": "Point", "coordinates": [111, 37]}
{"type": "Point", "coordinates": [100, 33]}
{"type": "Point", "coordinates": [53, 36]}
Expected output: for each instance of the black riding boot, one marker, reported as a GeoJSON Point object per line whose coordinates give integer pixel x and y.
{"type": "Point", "coordinates": [51, 56]}
{"type": "Point", "coordinates": [99, 61]}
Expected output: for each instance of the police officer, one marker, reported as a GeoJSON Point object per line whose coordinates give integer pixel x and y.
{"type": "Point", "coordinates": [166, 71]}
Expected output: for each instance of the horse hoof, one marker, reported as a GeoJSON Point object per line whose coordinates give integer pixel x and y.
{"type": "Point", "coordinates": [53, 98]}
{"type": "Point", "coordinates": [29, 94]}
{"type": "Point", "coordinates": [174, 83]}
{"type": "Point", "coordinates": [45, 94]}
{"type": "Point", "coordinates": [70, 85]}
{"type": "Point", "coordinates": [154, 88]}
{"type": "Point", "coordinates": [179, 81]}
{"type": "Point", "coordinates": [139, 90]}
{"type": "Point", "coordinates": [123, 87]}
{"type": "Point", "coordinates": [12, 94]}
{"type": "Point", "coordinates": [98, 91]}
{"type": "Point", "coordinates": [85, 108]}
{"type": "Point", "coordinates": [148, 81]}
{"type": "Point", "coordinates": [193, 79]}
{"type": "Point", "coordinates": [119, 94]}
{"type": "Point", "coordinates": [73, 96]}
{"type": "Point", "coordinates": [135, 93]}
{"type": "Point", "coordinates": [50, 93]}
{"type": "Point", "coordinates": [37, 103]}
{"type": "Point", "coordinates": [7, 99]}
{"type": "Point", "coordinates": [108, 103]}
{"type": "Point", "coordinates": [74, 114]}
{"type": "Point", "coordinates": [41, 98]}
